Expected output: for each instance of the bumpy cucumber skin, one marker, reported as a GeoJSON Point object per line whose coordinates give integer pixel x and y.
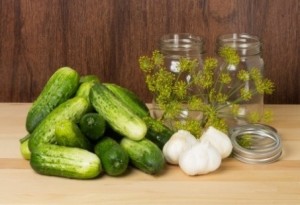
{"type": "Point", "coordinates": [114, 158]}
{"type": "Point", "coordinates": [59, 88]}
{"type": "Point", "coordinates": [132, 101]}
{"type": "Point", "coordinates": [68, 162]}
{"type": "Point", "coordinates": [84, 91]}
{"type": "Point", "coordinates": [73, 109]}
{"type": "Point", "coordinates": [48, 158]}
{"type": "Point", "coordinates": [157, 132]}
{"type": "Point", "coordinates": [67, 133]}
{"type": "Point", "coordinates": [92, 125]}
{"type": "Point", "coordinates": [117, 115]}
{"type": "Point", "coordinates": [144, 155]}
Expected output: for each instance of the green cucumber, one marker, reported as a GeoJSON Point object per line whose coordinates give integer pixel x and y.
{"type": "Point", "coordinates": [24, 149]}
{"type": "Point", "coordinates": [67, 133]}
{"type": "Point", "coordinates": [92, 125]}
{"type": "Point", "coordinates": [68, 162]}
{"type": "Point", "coordinates": [122, 119]}
{"type": "Point", "coordinates": [114, 158]}
{"type": "Point", "coordinates": [48, 158]}
{"type": "Point", "coordinates": [132, 101]}
{"type": "Point", "coordinates": [144, 155]}
{"type": "Point", "coordinates": [88, 78]}
{"type": "Point", "coordinates": [157, 132]}
{"type": "Point", "coordinates": [84, 91]}
{"type": "Point", "coordinates": [73, 109]}
{"type": "Point", "coordinates": [60, 87]}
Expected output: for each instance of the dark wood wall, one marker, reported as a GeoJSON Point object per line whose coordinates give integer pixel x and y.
{"type": "Point", "coordinates": [106, 37]}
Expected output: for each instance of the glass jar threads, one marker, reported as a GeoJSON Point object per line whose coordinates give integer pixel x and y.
{"type": "Point", "coordinates": [248, 47]}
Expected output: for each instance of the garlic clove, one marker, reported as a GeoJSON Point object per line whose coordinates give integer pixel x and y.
{"type": "Point", "coordinates": [214, 157]}
{"type": "Point", "coordinates": [194, 161]}
{"type": "Point", "coordinates": [219, 140]}
{"type": "Point", "coordinates": [202, 158]}
{"type": "Point", "coordinates": [179, 142]}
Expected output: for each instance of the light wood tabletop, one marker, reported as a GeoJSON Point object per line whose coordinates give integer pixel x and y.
{"type": "Point", "coordinates": [233, 183]}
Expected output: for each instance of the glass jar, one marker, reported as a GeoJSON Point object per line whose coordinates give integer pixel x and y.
{"type": "Point", "coordinates": [174, 47]}
{"type": "Point", "coordinates": [249, 50]}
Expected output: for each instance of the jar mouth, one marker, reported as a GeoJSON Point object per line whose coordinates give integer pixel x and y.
{"type": "Point", "coordinates": [180, 42]}
{"type": "Point", "coordinates": [244, 43]}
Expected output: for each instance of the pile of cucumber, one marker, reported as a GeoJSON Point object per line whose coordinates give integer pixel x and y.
{"type": "Point", "coordinates": [80, 128]}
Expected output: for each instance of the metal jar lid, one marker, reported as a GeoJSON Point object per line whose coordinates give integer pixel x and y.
{"type": "Point", "coordinates": [255, 143]}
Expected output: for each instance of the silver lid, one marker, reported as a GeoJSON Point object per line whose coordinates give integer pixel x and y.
{"type": "Point", "coordinates": [256, 143]}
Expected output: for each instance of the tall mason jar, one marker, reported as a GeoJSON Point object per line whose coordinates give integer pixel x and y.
{"type": "Point", "coordinates": [174, 47]}
{"type": "Point", "coordinates": [249, 50]}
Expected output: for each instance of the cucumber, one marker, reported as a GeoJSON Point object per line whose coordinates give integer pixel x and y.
{"type": "Point", "coordinates": [60, 87]}
{"type": "Point", "coordinates": [88, 78]}
{"type": "Point", "coordinates": [84, 91]}
{"type": "Point", "coordinates": [132, 101]}
{"type": "Point", "coordinates": [73, 109]}
{"type": "Point", "coordinates": [122, 119]}
{"type": "Point", "coordinates": [144, 155]}
{"type": "Point", "coordinates": [26, 154]}
{"type": "Point", "coordinates": [48, 158]}
{"type": "Point", "coordinates": [114, 158]}
{"type": "Point", "coordinates": [92, 125]}
{"type": "Point", "coordinates": [157, 132]}
{"type": "Point", "coordinates": [68, 162]}
{"type": "Point", "coordinates": [67, 133]}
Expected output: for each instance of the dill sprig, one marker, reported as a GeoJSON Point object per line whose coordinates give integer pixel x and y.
{"type": "Point", "coordinates": [192, 90]}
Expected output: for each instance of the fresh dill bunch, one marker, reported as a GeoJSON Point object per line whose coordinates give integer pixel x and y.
{"type": "Point", "coordinates": [207, 90]}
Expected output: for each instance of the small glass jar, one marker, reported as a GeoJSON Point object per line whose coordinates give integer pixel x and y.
{"type": "Point", "coordinates": [249, 50]}
{"type": "Point", "coordinates": [174, 47]}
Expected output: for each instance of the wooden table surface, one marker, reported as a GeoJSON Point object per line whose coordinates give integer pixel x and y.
{"type": "Point", "coordinates": [233, 183]}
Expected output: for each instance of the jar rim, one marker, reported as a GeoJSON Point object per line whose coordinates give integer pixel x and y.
{"type": "Point", "coordinates": [181, 41]}
{"type": "Point", "coordinates": [239, 40]}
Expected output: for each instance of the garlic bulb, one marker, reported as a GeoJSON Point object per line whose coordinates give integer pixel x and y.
{"type": "Point", "coordinates": [219, 140]}
{"type": "Point", "coordinates": [179, 142]}
{"type": "Point", "coordinates": [201, 158]}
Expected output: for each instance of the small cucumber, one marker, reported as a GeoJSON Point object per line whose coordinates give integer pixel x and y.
{"type": "Point", "coordinates": [114, 158]}
{"type": "Point", "coordinates": [60, 87]}
{"type": "Point", "coordinates": [67, 133]}
{"type": "Point", "coordinates": [73, 109]}
{"type": "Point", "coordinates": [122, 119]}
{"type": "Point", "coordinates": [144, 155]}
{"type": "Point", "coordinates": [68, 162]}
{"type": "Point", "coordinates": [92, 125]}
{"type": "Point", "coordinates": [132, 101]}
{"type": "Point", "coordinates": [84, 91]}
{"type": "Point", "coordinates": [26, 154]}
{"type": "Point", "coordinates": [157, 132]}
{"type": "Point", "coordinates": [88, 78]}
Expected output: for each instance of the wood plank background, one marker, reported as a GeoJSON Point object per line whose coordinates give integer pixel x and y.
{"type": "Point", "coordinates": [106, 37]}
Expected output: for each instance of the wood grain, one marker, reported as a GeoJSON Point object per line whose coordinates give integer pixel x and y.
{"type": "Point", "coordinates": [107, 37]}
{"type": "Point", "coordinates": [233, 183]}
